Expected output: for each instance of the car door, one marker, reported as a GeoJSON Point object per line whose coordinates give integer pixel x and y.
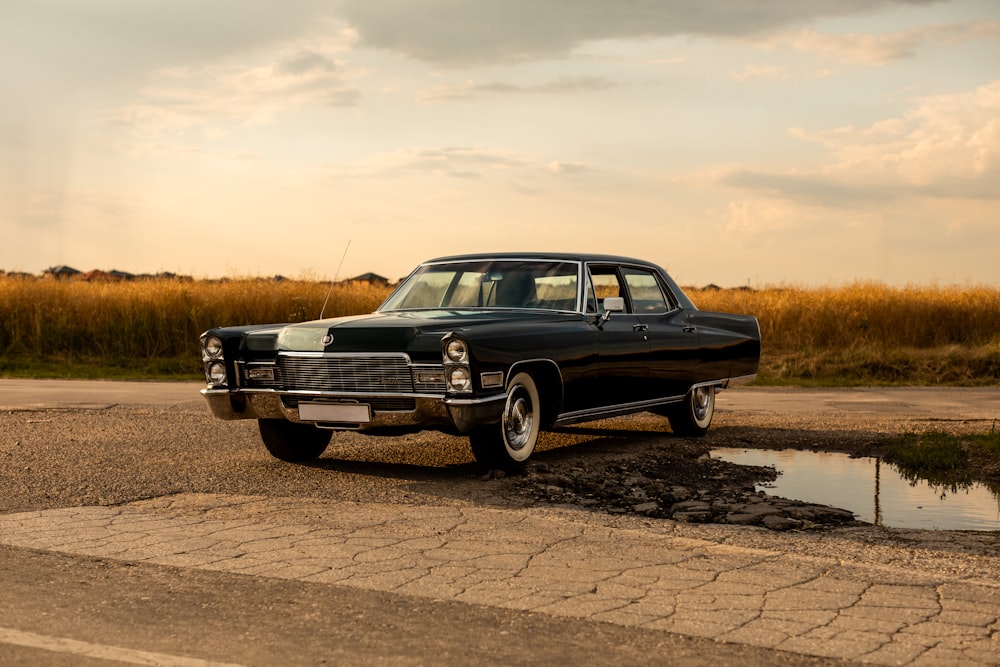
{"type": "Point", "coordinates": [622, 344]}
{"type": "Point", "coordinates": [674, 342]}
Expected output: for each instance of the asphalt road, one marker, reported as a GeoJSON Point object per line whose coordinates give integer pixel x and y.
{"type": "Point", "coordinates": [136, 529]}
{"type": "Point", "coordinates": [901, 403]}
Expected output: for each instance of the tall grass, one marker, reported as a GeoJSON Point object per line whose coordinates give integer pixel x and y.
{"type": "Point", "coordinates": [123, 323]}
{"type": "Point", "coordinates": [861, 333]}
{"type": "Point", "coordinates": [872, 333]}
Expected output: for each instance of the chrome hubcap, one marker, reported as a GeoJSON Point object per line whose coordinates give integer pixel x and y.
{"type": "Point", "coordinates": [701, 401]}
{"type": "Point", "coordinates": [517, 421]}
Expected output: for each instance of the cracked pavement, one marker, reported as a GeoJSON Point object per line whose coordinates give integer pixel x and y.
{"type": "Point", "coordinates": [134, 511]}
{"type": "Point", "coordinates": [566, 563]}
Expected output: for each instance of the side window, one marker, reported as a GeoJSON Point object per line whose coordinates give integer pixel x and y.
{"type": "Point", "coordinates": [604, 283]}
{"type": "Point", "coordinates": [647, 297]}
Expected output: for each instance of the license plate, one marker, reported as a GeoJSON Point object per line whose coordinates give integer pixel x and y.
{"type": "Point", "coordinates": [348, 413]}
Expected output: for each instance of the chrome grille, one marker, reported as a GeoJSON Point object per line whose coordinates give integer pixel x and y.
{"type": "Point", "coordinates": [349, 373]}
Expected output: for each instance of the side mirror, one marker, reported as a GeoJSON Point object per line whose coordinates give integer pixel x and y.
{"type": "Point", "coordinates": [612, 304]}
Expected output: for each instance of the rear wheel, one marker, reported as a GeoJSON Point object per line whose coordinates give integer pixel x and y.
{"type": "Point", "coordinates": [290, 441]}
{"type": "Point", "coordinates": [694, 415]}
{"type": "Point", "coordinates": [509, 444]}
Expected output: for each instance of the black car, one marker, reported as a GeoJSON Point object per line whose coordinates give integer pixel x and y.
{"type": "Point", "coordinates": [498, 347]}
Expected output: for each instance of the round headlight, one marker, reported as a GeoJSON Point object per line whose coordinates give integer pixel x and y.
{"type": "Point", "coordinates": [217, 373]}
{"type": "Point", "coordinates": [213, 347]}
{"type": "Point", "coordinates": [460, 379]}
{"type": "Point", "coordinates": [456, 350]}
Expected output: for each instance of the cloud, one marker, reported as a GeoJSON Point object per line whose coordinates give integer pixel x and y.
{"type": "Point", "coordinates": [467, 90]}
{"type": "Point", "coordinates": [930, 173]}
{"type": "Point", "coordinates": [452, 161]}
{"type": "Point", "coordinates": [767, 72]}
{"type": "Point", "coordinates": [82, 45]}
{"type": "Point", "coordinates": [69, 61]}
{"type": "Point", "coordinates": [817, 188]}
{"type": "Point", "coordinates": [464, 33]}
{"type": "Point", "coordinates": [879, 49]}
{"type": "Point", "coordinates": [559, 168]}
{"type": "Point", "coordinates": [306, 62]}
{"type": "Point", "coordinates": [458, 162]}
{"type": "Point", "coordinates": [945, 146]}
{"type": "Point", "coordinates": [180, 99]}
{"type": "Point", "coordinates": [751, 218]}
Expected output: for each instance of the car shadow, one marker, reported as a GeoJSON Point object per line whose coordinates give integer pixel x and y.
{"type": "Point", "coordinates": [433, 461]}
{"type": "Point", "coordinates": [451, 460]}
{"type": "Point", "coordinates": [414, 472]}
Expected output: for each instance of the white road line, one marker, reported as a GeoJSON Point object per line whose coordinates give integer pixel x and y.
{"type": "Point", "coordinates": [72, 646]}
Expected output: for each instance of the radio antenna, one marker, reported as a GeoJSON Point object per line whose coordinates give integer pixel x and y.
{"type": "Point", "coordinates": [334, 281]}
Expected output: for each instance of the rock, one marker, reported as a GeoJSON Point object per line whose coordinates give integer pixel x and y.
{"type": "Point", "coordinates": [752, 514]}
{"type": "Point", "coordinates": [776, 522]}
{"type": "Point", "coordinates": [691, 506]}
{"type": "Point", "coordinates": [679, 493]}
{"type": "Point", "coordinates": [676, 480]}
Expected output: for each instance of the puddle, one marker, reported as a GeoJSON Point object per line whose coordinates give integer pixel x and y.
{"type": "Point", "coordinates": [872, 489]}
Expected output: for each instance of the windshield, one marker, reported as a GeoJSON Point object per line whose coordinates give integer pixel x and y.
{"type": "Point", "coordinates": [540, 284]}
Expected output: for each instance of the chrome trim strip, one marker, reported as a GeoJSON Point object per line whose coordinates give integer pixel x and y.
{"type": "Point", "coordinates": [628, 408]}
{"type": "Point", "coordinates": [306, 393]}
{"type": "Point", "coordinates": [721, 384]}
{"type": "Point", "coordinates": [613, 410]}
{"type": "Point", "coordinates": [334, 355]}
{"type": "Point", "coordinates": [474, 401]}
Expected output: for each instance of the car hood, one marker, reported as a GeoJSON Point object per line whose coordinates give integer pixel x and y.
{"type": "Point", "coordinates": [399, 331]}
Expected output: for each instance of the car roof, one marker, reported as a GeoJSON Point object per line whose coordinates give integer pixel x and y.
{"type": "Point", "coordinates": [562, 256]}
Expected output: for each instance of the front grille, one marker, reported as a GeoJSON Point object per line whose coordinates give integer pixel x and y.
{"type": "Point", "coordinates": [345, 373]}
{"type": "Point", "coordinates": [378, 374]}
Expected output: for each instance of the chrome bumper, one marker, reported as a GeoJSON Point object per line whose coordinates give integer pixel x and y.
{"type": "Point", "coordinates": [430, 411]}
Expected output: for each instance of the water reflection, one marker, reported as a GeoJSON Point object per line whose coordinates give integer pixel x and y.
{"type": "Point", "coordinates": [874, 490]}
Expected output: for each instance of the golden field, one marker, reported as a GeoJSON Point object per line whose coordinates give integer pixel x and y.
{"type": "Point", "coordinates": [147, 328]}
{"type": "Point", "coordinates": [870, 333]}
{"type": "Point", "coordinates": [863, 333]}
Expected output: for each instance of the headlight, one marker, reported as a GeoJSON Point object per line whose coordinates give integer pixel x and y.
{"type": "Point", "coordinates": [216, 373]}
{"type": "Point", "coordinates": [213, 347]}
{"type": "Point", "coordinates": [456, 350]}
{"type": "Point", "coordinates": [459, 378]}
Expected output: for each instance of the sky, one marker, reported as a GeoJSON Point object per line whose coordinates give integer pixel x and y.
{"type": "Point", "coordinates": [812, 142]}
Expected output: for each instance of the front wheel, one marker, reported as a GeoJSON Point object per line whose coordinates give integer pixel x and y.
{"type": "Point", "coordinates": [293, 442]}
{"type": "Point", "coordinates": [694, 415]}
{"type": "Point", "coordinates": [508, 445]}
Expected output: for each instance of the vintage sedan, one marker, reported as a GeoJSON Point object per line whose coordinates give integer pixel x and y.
{"type": "Point", "coordinates": [496, 347]}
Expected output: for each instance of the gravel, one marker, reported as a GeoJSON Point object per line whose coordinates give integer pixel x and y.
{"type": "Point", "coordinates": [627, 466]}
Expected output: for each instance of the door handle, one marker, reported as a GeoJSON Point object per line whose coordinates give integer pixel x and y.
{"type": "Point", "coordinates": [639, 327]}
{"type": "Point", "coordinates": [689, 328]}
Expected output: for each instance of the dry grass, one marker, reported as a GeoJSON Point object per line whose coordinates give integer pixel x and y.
{"type": "Point", "coordinates": [869, 333]}
{"type": "Point", "coordinates": [863, 333]}
{"type": "Point", "coordinates": [76, 322]}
